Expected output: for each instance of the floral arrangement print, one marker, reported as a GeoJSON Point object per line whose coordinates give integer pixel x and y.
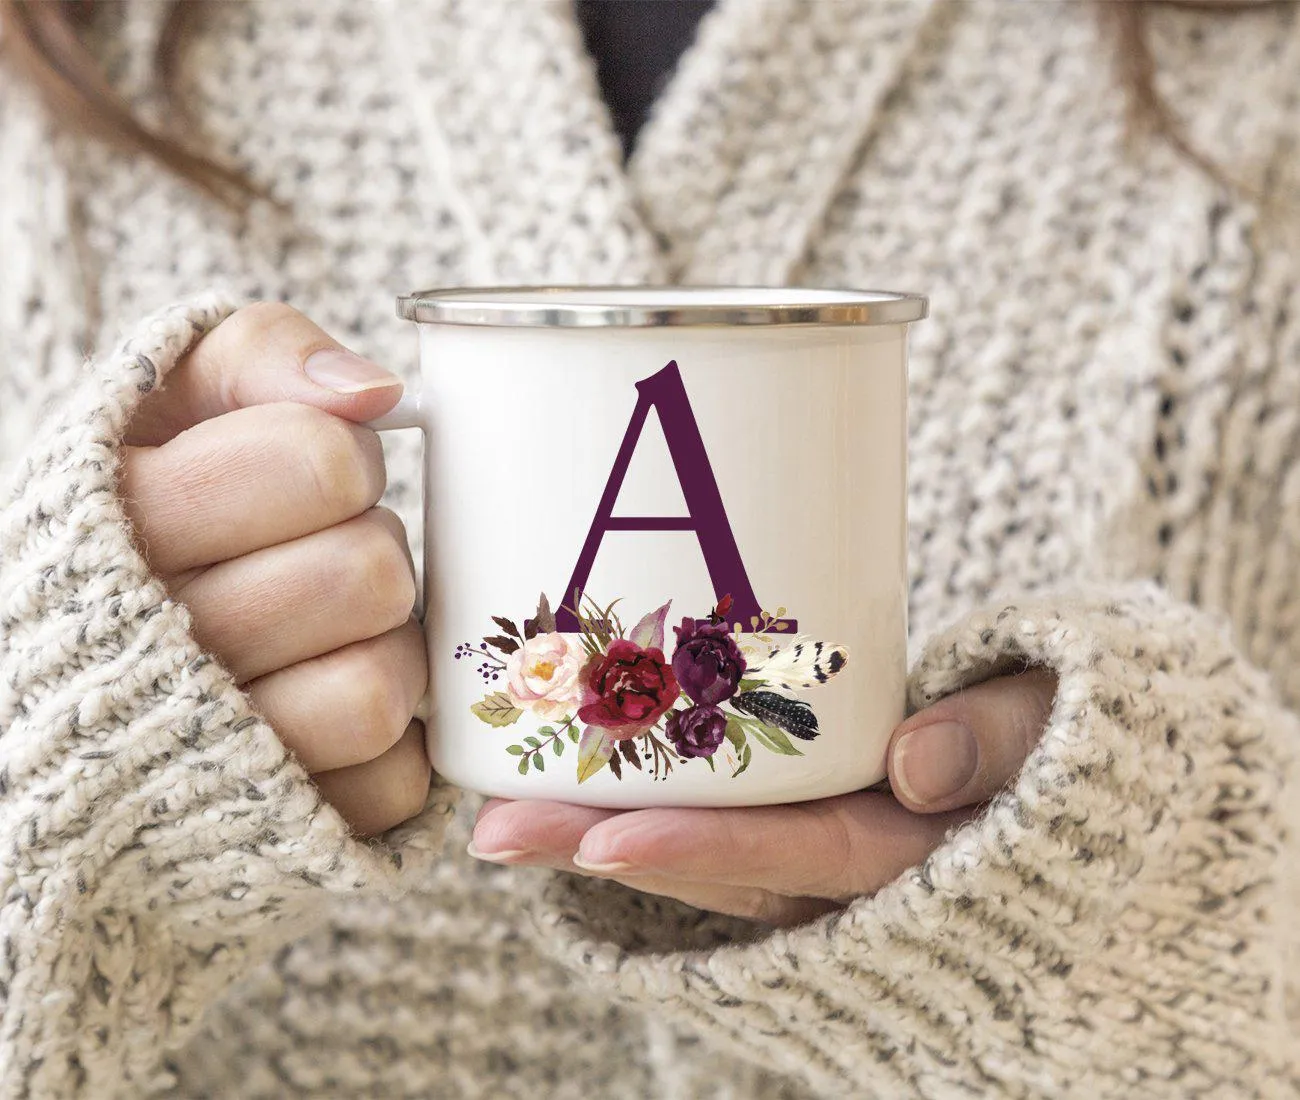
{"type": "Point", "coordinates": [617, 696]}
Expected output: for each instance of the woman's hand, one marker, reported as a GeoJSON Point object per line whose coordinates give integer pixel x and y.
{"type": "Point", "coordinates": [253, 498]}
{"type": "Point", "coordinates": [787, 864]}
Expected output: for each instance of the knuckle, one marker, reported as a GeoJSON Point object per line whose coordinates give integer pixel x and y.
{"type": "Point", "coordinates": [415, 649]}
{"type": "Point", "coordinates": [378, 709]}
{"type": "Point", "coordinates": [266, 316]}
{"type": "Point", "coordinates": [382, 575]}
{"type": "Point", "coordinates": [402, 797]}
{"type": "Point", "coordinates": [411, 787]}
{"type": "Point", "coordinates": [375, 819]}
{"type": "Point", "coordinates": [343, 466]}
{"type": "Point", "coordinates": [391, 522]}
{"type": "Point", "coordinates": [418, 791]}
{"type": "Point", "coordinates": [252, 325]}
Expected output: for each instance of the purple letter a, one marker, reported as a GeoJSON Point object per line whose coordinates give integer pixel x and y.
{"type": "Point", "coordinates": [707, 517]}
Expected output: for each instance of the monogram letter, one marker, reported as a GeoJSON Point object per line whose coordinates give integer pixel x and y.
{"type": "Point", "coordinates": [706, 515]}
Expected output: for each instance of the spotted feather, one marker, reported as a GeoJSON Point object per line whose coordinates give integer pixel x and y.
{"type": "Point", "coordinates": [794, 716]}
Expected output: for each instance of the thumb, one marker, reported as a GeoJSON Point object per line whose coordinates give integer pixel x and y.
{"type": "Point", "coordinates": [964, 749]}
{"type": "Point", "coordinates": [260, 354]}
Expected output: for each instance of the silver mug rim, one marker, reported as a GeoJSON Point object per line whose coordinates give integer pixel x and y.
{"type": "Point", "coordinates": [474, 306]}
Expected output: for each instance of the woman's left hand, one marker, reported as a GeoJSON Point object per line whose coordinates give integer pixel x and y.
{"type": "Point", "coordinates": [787, 864]}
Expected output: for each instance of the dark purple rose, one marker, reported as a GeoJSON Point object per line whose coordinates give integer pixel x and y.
{"type": "Point", "coordinates": [697, 731]}
{"type": "Point", "coordinates": [626, 690]}
{"type": "Point", "coordinates": [707, 663]}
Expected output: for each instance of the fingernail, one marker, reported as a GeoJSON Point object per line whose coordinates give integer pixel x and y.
{"type": "Point", "coordinates": [935, 762]}
{"type": "Point", "coordinates": [507, 856]}
{"type": "Point", "coordinates": [343, 372]}
{"type": "Point", "coordinates": [613, 868]}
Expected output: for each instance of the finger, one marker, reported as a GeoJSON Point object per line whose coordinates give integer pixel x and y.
{"type": "Point", "coordinates": [966, 748]}
{"type": "Point", "coordinates": [383, 792]}
{"type": "Point", "coordinates": [835, 848]}
{"type": "Point", "coordinates": [350, 705]}
{"type": "Point", "coordinates": [247, 480]}
{"type": "Point", "coordinates": [289, 603]}
{"type": "Point", "coordinates": [547, 834]}
{"type": "Point", "coordinates": [748, 903]}
{"type": "Point", "coordinates": [263, 353]}
{"type": "Point", "coordinates": [761, 906]}
{"type": "Point", "coordinates": [536, 832]}
{"type": "Point", "coordinates": [489, 805]}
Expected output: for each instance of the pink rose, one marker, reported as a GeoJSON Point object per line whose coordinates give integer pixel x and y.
{"type": "Point", "coordinates": [542, 675]}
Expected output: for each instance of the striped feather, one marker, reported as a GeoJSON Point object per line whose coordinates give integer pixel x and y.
{"type": "Point", "coordinates": [799, 663]}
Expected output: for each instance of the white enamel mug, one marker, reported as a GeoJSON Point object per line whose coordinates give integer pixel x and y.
{"type": "Point", "coordinates": [665, 540]}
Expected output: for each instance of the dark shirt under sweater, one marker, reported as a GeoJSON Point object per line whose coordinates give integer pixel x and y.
{"type": "Point", "coordinates": [636, 44]}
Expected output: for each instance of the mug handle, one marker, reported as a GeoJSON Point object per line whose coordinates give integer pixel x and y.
{"type": "Point", "coordinates": [407, 413]}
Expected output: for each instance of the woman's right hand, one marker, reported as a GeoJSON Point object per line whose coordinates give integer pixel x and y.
{"type": "Point", "coordinates": [253, 494]}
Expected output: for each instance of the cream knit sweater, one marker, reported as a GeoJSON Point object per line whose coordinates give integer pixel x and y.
{"type": "Point", "coordinates": [1105, 479]}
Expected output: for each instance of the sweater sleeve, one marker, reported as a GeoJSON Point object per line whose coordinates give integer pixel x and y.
{"type": "Point", "coordinates": [1109, 927]}
{"type": "Point", "coordinates": [156, 839]}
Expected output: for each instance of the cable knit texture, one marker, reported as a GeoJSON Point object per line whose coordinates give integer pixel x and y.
{"type": "Point", "coordinates": [1105, 414]}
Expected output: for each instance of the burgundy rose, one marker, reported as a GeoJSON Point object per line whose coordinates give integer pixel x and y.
{"type": "Point", "coordinates": [627, 689]}
{"type": "Point", "coordinates": [707, 662]}
{"type": "Point", "coordinates": [697, 731]}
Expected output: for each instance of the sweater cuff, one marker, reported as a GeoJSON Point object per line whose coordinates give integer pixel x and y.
{"type": "Point", "coordinates": [162, 839]}
{"type": "Point", "coordinates": [1105, 924]}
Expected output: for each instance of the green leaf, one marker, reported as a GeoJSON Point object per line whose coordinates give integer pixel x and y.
{"type": "Point", "coordinates": [533, 741]}
{"type": "Point", "coordinates": [539, 762]}
{"type": "Point", "coordinates": [523, 765]}
{"type": "Point", "coordinates": [516, 750]}
{"type": "Point", "coordinates": [594, 751]}
{"type": "Point", "coordinates": [749, 685]}
{"type": "Point", "coordinates": [745, 757]}
{"type": "Point", "coordinates": [558, 744]}
{"type": "Point", "coordinates": [735, 733]}
{"type": "Point", "coordinates": [497, 710]}
{"type": "Point", "coordinates": [712, 766]}
{"type": "Point", "coordinates": [773, 739]}
{"type": "Point", "coordinates": [573, 733]}
{"type": "Point", "coordinates": [546, 731]}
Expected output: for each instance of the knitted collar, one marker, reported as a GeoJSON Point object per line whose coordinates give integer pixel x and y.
{"type": "Point", "coordinates": [732, 173]}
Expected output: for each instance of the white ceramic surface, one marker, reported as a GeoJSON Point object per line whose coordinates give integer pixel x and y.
{"type": "Point", "coordinates": [804, 428]}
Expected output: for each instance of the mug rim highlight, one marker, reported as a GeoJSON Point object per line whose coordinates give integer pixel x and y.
{"type": "Point", "coordinates": [659, 306]}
